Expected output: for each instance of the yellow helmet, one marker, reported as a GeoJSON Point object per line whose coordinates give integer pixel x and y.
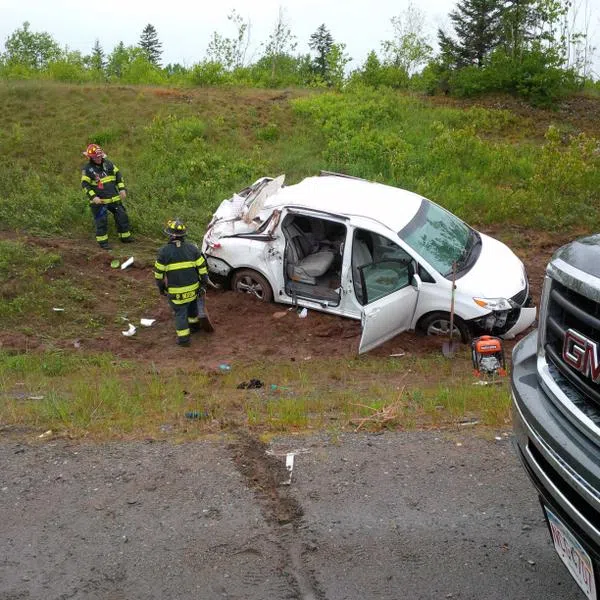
{"type": "Point", "coordinates": [175, 228]}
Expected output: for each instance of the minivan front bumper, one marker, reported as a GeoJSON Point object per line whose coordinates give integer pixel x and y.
{"type": "Point", "coordinates": [560, 459]}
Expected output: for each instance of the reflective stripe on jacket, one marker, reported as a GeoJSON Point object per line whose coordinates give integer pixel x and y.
{"type": "Point", "coordinates": [184, 267]}
{"type": "Point", "coordinates": [103, 180]}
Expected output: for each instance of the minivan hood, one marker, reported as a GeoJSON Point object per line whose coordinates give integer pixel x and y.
{"type": "Point", "coordinates": [498, 272]}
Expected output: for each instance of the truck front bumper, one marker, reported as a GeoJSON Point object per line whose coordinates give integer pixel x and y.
{"type": "Point", "coordinates": [562, 462]}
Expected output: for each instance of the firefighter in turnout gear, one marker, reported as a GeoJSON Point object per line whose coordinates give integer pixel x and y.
{"type": "Point", "coordinates": [181, 274]}
{"type": "Point", "coordinates": [105, 190]}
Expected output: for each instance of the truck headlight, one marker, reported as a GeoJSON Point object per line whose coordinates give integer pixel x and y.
{"type": "Point", "coordinates": [494, 304]}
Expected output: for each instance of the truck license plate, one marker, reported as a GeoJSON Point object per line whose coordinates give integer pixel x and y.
{"type": "Point", "coordinates": [576, 559]}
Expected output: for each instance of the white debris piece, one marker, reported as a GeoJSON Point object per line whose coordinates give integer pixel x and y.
{"type": "Point", "coordinates": [57, 309]}
{"type": "Point", "coordinates": [131, 331]}
{"type": "Point", "coordinates": [289, 465]}
{"type": "Point", "coordinates": [128, 262]}
{"type": "Point", "coordinates": [303, 313]}
{"type": "Point", "coordinates": [147, 322]}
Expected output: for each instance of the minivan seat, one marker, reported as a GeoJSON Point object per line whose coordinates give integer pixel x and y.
{"type": "Point", "coordinates": [305, 261]}
{"type": "Point", "coordinates": [361, 256]}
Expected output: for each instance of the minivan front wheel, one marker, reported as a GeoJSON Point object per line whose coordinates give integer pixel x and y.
{"type": "Point", "coordinates": [253, 283]}
{"type": "Point", "coordinates": [438, 323]}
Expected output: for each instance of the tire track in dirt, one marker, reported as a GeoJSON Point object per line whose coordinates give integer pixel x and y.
{"type": "Point", "coordinates": [264, 474]}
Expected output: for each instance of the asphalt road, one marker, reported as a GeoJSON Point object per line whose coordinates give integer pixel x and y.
{"type": "Point", "coordinates": [392, 516]}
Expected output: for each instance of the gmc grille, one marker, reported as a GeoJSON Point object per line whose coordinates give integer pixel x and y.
{"type": "Point", "coordinates": [569, 310]}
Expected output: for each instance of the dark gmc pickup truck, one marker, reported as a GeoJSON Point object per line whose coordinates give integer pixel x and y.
{"type": "Point", "coordinates": [556, 408]}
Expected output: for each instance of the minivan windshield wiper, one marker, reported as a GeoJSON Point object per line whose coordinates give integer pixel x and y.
{"type": "Point", "coordinates": [467, 254]}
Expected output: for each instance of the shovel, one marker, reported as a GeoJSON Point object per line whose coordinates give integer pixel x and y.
{"type": "Point", "coordinates": [450, 347]}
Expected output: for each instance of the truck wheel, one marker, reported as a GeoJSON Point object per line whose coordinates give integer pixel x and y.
{"type": "Point", "coordinates": [438, 323]}
{"type": "Point", "coordinates": [251, 282]}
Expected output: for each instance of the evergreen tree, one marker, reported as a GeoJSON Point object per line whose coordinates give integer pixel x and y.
{"type": "Point", "coordinates": [321, 41]}
{"type": "Point", "coordinates": [150, 44]}
{"type": "Point", "coordinates": [97, 59]}
{"type": "Point", "coordinates": [477, 25]}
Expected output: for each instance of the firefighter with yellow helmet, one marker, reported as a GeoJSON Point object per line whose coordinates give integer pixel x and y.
{"type": "Point", "coordinates": [103, 185]}
{"type": "Point", "coordinates": [181, 274]}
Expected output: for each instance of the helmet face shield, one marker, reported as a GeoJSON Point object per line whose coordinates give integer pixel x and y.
{"type": "Point", "coordinates": [175, 228]}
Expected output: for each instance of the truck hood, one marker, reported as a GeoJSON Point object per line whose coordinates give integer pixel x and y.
{"type": "Point", "coordinates": [583, 254]}
{"type": "Point", "coordinates": [498, 272]}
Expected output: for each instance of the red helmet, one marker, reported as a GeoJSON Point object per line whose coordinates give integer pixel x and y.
{"type": "Point", "coordinates": [94, 151]}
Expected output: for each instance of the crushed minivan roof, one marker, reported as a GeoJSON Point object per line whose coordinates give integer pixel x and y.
{"type": "Point", "coordinates": [391, 206]}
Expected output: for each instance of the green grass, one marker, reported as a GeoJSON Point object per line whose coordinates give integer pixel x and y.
{"type": "Point", "coordinates": [101, 398]}
{"type": "Point", "coordinates": [182, 152]}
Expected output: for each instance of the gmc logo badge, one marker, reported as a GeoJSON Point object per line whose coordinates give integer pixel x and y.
{"type": "Point", "coordinates": [582, 354]}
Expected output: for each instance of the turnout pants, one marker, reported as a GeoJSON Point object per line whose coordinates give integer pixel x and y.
{"type": "Point", "coordinates": [100, 212]}
{"type": "Point", "coordinates": [187, 317]}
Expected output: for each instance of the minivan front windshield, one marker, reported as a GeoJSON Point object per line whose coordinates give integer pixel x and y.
{"type": "Point", "coordinates": [439, 237]}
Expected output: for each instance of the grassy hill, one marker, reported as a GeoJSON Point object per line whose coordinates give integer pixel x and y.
{"type": "Point", "coordinates": [183, 151]}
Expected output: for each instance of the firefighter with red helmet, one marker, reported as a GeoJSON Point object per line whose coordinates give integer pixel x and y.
{"type": "Point", "coordinates": [181, 275]}
{"type": "Point", "coordinates": [105, 190]}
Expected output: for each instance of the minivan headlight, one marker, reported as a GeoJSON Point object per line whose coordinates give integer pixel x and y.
{"type": "Point", "coordinates": [494, 304]}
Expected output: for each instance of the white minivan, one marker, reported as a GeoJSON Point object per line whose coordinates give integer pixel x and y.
{"type": "Point", "coordinates": [367, 251]}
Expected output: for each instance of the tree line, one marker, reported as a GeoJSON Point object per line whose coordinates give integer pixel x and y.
{"type": "Point", "coordinates": [530, 48]}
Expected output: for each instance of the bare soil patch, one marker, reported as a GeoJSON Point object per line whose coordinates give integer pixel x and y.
{"type": "Point", "coordinates": [246, 329]}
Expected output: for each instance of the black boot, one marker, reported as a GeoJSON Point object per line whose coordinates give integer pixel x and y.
{"type": "Point", "coordinates": [127, 240]}
{"type": "Point", "coordinates": [105, 245]}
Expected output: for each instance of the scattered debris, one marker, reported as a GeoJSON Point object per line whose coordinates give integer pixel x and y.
{"type": "Point", "coordinates": [76, 344]}
{"type": "Point", "coordinates": [35, 397]}
{"type": "Point", "coordinates": [128, 262]}
{"type": "Point", "coordinates": [488, 382]}
{"type": "Point", "coordinates": [289, 465]}
{"type": "Point", "coordinates": [380, 416]}
{"type": "Point", "coordinates": [131, 331]}
{"type": "Point", "coordinates": [45, 434]}
{"type": "Point", "coordinates": [58, 309]}
{"type": "Point", "coordinates": [196, 414]}
{"type": "Point", "coordinates": [253, 384]}
{"type": "Point", "coordinates": [224, 367]}
{"type": "Point", "coordinates": [398, 354]}
{"type": "Point", "coordinates": [468, 423]}
{"type": "Point", "coordinates": [303, 313]}
{"type": "Point", "coordinates": [275, 387]}
{"type": "Point", "coordinates": [147, 322]}
{"type": "Point", "coordinates": [115, 263]}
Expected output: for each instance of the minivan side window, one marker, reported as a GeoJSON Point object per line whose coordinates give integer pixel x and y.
{"type": "Point", "coordinates": [379, 266]}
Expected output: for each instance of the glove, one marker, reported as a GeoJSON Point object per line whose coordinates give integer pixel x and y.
{"type": "Point", "coordinates": [202, 291]}
{"type": "Point", "coordinates": [122, 194]}
{"type": "Point", "coordinates": [162, 288]}
{"type": "Point", "coordinates": [96, 200]}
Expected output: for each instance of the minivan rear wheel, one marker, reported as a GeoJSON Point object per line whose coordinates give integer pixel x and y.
{"type": "Point", "coordinates": [438, 323]}
{"type": "Point", "coordinates": [250, 282]}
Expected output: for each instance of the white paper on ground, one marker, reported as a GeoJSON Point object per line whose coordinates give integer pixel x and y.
{"type": "Point", "coordinates": [289, 465]}
{"type": "Point", "coordinates": [128, 262]}
{"type": "Point", "coordinates": [147, 322]}
{"type": "Point", "coordinates": [131, 331]}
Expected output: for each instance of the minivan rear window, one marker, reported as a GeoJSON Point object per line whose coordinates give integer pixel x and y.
{"type": "Point", "coordinates": [438, 236]}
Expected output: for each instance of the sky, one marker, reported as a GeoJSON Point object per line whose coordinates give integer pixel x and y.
{"type": "Point", "coordinates": [185, 27]}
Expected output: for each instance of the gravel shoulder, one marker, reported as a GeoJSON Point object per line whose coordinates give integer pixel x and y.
{"type": "Point", "coordinates": [397, 515]}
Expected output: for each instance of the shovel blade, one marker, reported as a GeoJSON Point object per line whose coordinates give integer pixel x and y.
{"type": "Point", "coordinates": [449, 349]}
